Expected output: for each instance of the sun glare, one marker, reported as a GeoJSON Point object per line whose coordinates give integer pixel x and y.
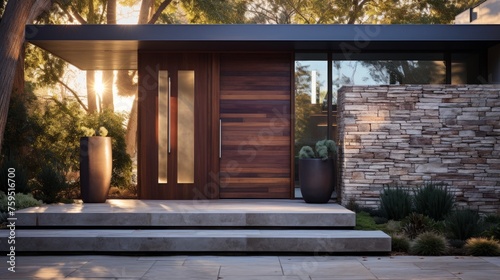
{"type": "Point", "coordinates": [98, 84]}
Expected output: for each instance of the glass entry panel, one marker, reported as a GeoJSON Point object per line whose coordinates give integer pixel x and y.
{"type": "Point", "coordinates": [185, 127]}
{"type": "Point", "coordinates": [163, 125]}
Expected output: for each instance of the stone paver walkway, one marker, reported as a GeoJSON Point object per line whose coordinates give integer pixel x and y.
{"type": "Point", "coordinates": [252, 267]}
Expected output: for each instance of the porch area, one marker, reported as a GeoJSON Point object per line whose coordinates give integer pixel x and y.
{"type": "Point", "coordinates": [233, 225]}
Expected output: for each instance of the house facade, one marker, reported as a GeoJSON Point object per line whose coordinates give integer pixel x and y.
{"type": "Point", "coordinates": [224, 109]}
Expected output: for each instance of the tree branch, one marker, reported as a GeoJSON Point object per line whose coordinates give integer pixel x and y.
{"type": "Point", "coordinates": [158, 12]}
{"type": "Point", "coordinates": [74, 94]}
{"type": "Point", "coordinates": [77, 16]}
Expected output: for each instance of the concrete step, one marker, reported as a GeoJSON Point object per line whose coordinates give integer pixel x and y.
{"type": "Point", "coordinates": [243, 213]}
{"type": "Point", "coordinates": [196, 240]}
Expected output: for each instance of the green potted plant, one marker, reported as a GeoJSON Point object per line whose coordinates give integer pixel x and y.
{"type": "Point", "coordinates": [95, 165]}
{"type": "Point", "coordinates": [317, 171]}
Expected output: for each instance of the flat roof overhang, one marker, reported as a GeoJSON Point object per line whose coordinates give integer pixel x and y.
{"type": "Point", "coordinates": [104, 47]}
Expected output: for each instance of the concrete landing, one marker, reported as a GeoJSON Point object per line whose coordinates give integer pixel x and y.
{"type": "Point", "coordinates": [334, 241]}
{"type": "Point", "coordinates": [142, 226]}
{"type": "Point", "coordinates": [175, 213]}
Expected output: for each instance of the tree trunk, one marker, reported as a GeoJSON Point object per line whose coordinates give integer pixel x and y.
{"type": "Point", "coordinates": [91, 96]}
{"type": "Point", "coordinates": [145, 15]}
{"type": "Point", "coordinates": [131, 135]}
{"type": "Point", "coordinates": [18, 87]}
{"type": "Point", "coordinates": [15, 17]}
{"type": "Point", "coordinates": [107, 94]}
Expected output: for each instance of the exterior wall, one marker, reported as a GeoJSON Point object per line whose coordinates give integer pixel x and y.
{"type": "Point", "coordinates": [494, 65]}
{"type": "Point", "coordinates": [411, 134]}
{"type": "Point", "coordinates": [486, 13]}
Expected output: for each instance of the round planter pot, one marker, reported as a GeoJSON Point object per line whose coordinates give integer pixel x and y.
{"type": "Point", "coordinates": [95, 168]}
{"type": "Point", "coordinates": [317, 179]}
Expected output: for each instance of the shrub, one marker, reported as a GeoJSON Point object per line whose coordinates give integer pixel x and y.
{"type": "Point", "coordinates": [482, 247]}
{"type": "Point", "coordinates": [463, 224]}
{"type": "Point", "coordinates": [20, 176]}
{"type": "Point", "coordinates": [416, 224]}
{"type": "Point", "coordinates": [49, 185]}
{"type": "Point", "coordinates": [492, 225]}
{"type": "Point", "coordinates": [395, 202]}
{"type": "Point", "coordinates": [493, 231]}
{"type": "Point", "coordinates": [434, 200]}
{"type": "Point", "coordinates": [429, 244]}
{"type": "Point", "coordinates": [400, 243]}
{"type": "Point", "coordinates": [3, 217]}
{"type": "Point", "coordinates": [365, 222]}
{"type": "Point", "coordinates": [22, 201]}
{"type": "Point", "coordinates": [353, 205]}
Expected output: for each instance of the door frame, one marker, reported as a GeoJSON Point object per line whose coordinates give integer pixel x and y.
{"type": "Point", "coordinates": [205, 182]}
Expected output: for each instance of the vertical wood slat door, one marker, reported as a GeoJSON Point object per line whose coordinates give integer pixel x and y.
{"type": "Point", "coordinates": [255, 104]}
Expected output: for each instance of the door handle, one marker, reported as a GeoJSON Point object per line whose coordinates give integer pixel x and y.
{"type": "Point", "coordinates": [220, 138]}
{"type": "Point", "coordinates": [169, 114]}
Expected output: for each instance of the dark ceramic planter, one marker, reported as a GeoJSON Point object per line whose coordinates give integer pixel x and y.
{"type": "Point", "coordinates": [317, 179]}
{"type": "Point", "coordinates": [95, 168]}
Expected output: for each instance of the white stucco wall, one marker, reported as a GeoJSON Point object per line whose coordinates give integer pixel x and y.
{"type": "Point", "coordinates": [487, 13]}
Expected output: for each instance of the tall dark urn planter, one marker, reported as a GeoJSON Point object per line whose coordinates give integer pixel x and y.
{"type": "Point", "coordinates": [317, 179]}
{"type": "Point", "coordinates": [95, 168]}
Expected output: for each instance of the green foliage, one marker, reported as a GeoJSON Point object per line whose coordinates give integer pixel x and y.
{"type": "Point", "coordinates": [365, 222]}
{"type": "Point", "coordinates": [22, 201]}
{"type": "Point", "coordinates": [324, 149]}
{"type": "Point", "coordinates": [429, 244]}
{"type": "Point", "coordinates": [395, 202]}
{"type": "Point", "coordinates": [353, 205]}
{"type": "Point", "coordinates": [400, 243]}
{"type": "Point", "coordinates": [50, 183]}
{"type": "Point", "coordinates": [434, 200]}
{"type": "Point", "coordinates": [481, 246]}
{"type": "Point", "coordinates": [463, 224]}
{"type": "Point", "coordinates": [19, 177]}
{"type": "Point", "coordinates": [122, 164]}
{"type": "Point", "coordinates": [58, 144]}
{"type": "Point", "coordinates": [492, 225]}
{"type": "Point", "coordinates": [416, 224]}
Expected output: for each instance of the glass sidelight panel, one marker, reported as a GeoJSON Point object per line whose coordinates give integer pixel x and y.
{"type": "Point", "coordinates": [185, 127]}
{"type": "Point", "coordinates": [163, 125]}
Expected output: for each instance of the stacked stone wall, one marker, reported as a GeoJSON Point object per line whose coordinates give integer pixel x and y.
{"type": "Point", "coordinates": [412, 134]}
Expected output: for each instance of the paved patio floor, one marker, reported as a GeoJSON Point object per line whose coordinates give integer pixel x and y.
{"type": "Point", "coordinates": [252, 267]}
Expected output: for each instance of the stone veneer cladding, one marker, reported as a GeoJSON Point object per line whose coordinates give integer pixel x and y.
{"type": "Point", "coordinates": [409, 134]}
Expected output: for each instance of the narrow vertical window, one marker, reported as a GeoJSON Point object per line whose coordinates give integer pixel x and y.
{"type": "Point", "coordinates": [185, 127]}
{"type": "Point", "coordinates": [163, 125]}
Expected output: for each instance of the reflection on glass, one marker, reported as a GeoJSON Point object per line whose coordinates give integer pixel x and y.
{"type": "Point", "coordinates": [163, 99]}
{"type": "Point", "coordinates": [465, 68]}
{"type": "Point", "coordinates": [185, 127]}
{"type": "Point", "coordinates": [310, 102]}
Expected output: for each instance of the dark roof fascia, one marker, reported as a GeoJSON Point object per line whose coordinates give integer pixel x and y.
{"type": "Point", "coordinates": [259, 33]}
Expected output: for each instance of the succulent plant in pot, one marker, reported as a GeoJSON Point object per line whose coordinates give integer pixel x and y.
{"type": "Point", "coordinates": [317, 171]}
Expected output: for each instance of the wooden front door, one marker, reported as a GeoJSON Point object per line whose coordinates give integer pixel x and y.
{"type": "Point", "coordinates": [175, 113]}
{"type": "Point", "coordinates": [255, 104]}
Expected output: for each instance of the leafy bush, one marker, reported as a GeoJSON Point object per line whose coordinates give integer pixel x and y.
{"type": "Point", "coordinates": [20, 176]}
{"type": "Point", "coordinates": [395, 202]}
{"type": "Point", "coordinates": [49, 184]}
{"type": "Point", "coordinates": [434, 200]}
{"type": "Point", "coordinates": [482, 247]}
{"type": "Point", "coordinates": [3, 217]}
{"type": "Point", "coordinates": [122, 163]}
{"type": "Point", "coordinates": [416, 224]}
{"type": "Point", "coordinates": [492, 225]}
{"type": "Point", "coordinates": [400, 243]}
{"type": "Point", "coordinates": [365, 222]}
{"type": "Point", "coordinates": [493, 231]}
{"type": "Point", "coordinates": [463, 224]}
{"type": "Point", "coordinates": [429, 244]}
{"type": "Point", "coordinates": [22, 201]}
